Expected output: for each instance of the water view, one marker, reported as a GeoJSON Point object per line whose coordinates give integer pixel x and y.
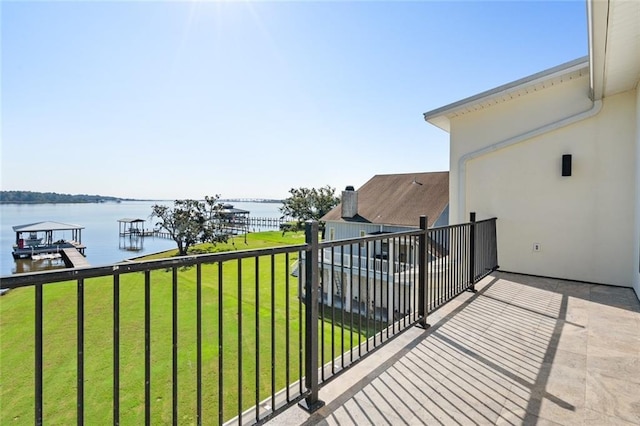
{"type": "Point", "coordinates": [100, 234]}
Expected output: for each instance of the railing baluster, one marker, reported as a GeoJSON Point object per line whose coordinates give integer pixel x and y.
{"type": "Point", "coordinates": [199, 344]}
{"type": "Point", "coordinates": [331, 299]}
{"type": "Point", "coordinates": [147, 347]}
{"type": "Point", "coordinates": [391, 270]}
{"type": "Point", "coordinates": [375, 293]}
{"type": "Point", "coordinates": [436, 269]}
{"type": "Point", "coordinates": [432, 265]}
{"type": "Point", "coordinates": [446, 233]}
{"type": "Point", "coordinates": [174, 340]}
{"type": "Point", "coordinates": [287, 324]}
{"type": "Point", "coordinates": [301, 323]}
{"type": "Point", "coordinates": [342, 305]}
{"type": "Point", "coordinates": [80, 353]}
{"type": "Point", "coordinates": [38, 355]}
{"type": "Point", "coordinates": [220, 347]}
{"type": "Point", "coordinates": [273, 332]}
{"type": "Point", "coordinates": [466, 239]}
{"type": "Point", "coordinates": [393, 284]}
{"type": "Point", "coordinates": [116, 349]}
{"type": "Point", "coordinates": [257, 336]}
{"type": "Point", "coordinates": [240, 387]}
{"type": "Point", "coordinates": [405, 297]}
{"type": "Point", "coordinates": [367, 292]}
{"type": "Point", "coordinates": [415, 289]}
{"type": "Point", "coordinates": [444, 291]}
{"type": "Point", "coordinates": [442, 271]}
{"type": "Point", "coordinates": [458, 232]}
{"type": "Point", "coordinates": [321, 312]}
{"type": "Point", "coordinates": [360, 300]}
{"type": "Point", "coordinates": [351, 302]}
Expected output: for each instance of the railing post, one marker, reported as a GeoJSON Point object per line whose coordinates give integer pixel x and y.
{"type": "Point", "coordinates": [422, 274]}
{"type": "Point", "coordinates": [472, 252]}
{"type": "Point", "coordinates": [311, 283]}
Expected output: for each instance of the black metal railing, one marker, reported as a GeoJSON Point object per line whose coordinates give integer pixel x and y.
{"type": "Point", "coordinates": [228, 337]}
{"type": "Point", "coordinates": [460, 255]}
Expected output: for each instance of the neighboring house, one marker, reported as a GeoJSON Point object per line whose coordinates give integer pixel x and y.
{"type": "Point", "coordinates": [556, 158]}
{"type": "Point", "coordinates": [390, 203]}
{"type": "Point", "coordinates": [384, 205]}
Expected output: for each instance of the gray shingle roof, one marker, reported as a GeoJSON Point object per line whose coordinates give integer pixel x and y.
{"type": "Point", "coordinates": [399, 199]}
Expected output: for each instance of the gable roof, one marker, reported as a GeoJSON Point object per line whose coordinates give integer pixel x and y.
{"type": "Point", "coordinates": [613, 64]}
{"type": "Point", "coordinates": [399, 199]}
{"type": "Point", "coordinates": [568, 71]}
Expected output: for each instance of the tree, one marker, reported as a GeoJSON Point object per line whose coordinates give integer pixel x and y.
{"type": "Point", "coordinates": [309, 204]}
{"type": "Point", "coordinates": [191, 221]}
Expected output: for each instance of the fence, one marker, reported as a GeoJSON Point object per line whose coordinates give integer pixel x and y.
{"type": "Point", "coordinates": [235, 336]}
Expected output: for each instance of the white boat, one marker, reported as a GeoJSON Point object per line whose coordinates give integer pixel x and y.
{"type": "Point", "coordinates": [46, 256]}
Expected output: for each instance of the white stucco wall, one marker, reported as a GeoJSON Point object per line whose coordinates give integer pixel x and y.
{"type": "Point", "coordinates": [583, 223]}
{"type": "Point", "coordinates": [636, 255]}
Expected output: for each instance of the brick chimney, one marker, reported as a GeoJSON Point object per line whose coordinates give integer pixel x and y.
{"type": "Point", "coordinates": [349, 203]}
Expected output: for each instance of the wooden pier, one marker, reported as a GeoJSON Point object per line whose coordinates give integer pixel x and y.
{"type": "Point", "coordinates": [73, 258]}
{"type": "Point", "coordinates": [266, 222]}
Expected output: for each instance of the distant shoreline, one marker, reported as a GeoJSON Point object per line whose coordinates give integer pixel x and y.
{"type": "Point", "coordinates": [31, 197]}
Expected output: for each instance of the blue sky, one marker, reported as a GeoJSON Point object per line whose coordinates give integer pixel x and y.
{"type": "Point", "coordinates": [183, 99]}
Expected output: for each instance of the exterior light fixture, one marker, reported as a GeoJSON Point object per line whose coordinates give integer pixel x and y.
{"type": "Point", "coordinates": [566, 165]}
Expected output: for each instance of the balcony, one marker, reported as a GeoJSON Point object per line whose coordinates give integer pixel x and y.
{"type": "Point", "coordinates": [182, 349]}
{"type": "Point", "coordinates": [522, 350]}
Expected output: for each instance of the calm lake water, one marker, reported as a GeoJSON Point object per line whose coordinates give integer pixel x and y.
{"type": "Point", "coordinates": [100, 236]}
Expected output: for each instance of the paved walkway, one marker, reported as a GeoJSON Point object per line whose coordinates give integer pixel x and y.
{"type": "Point", "coordinates": [522, 350]}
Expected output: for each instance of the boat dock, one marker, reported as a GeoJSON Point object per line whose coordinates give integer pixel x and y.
{"type": "Point", "coordinates": [38, 241]}
{"type": "Point", "coordinates": [73, 258]}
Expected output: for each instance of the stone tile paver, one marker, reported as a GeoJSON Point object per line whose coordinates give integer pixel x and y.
{"type": "Point", "coordinates": [522, 350]}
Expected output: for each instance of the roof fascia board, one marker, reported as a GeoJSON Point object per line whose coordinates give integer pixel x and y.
{"type": "Point", "coordinates": [438, 117]}
{"type": "Point", "coordinates": [598, 25]}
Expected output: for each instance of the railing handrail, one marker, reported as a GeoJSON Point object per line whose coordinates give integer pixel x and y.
{"type": "Point", "coordinates": [366, 238]}
{"type": "Point", "coordinates": [61, 275]}
{"type": "Point", "coordinates": [460, 225]}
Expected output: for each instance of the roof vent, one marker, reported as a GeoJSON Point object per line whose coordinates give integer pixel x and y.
{"type": "Point", "coordinates": [349, 203]}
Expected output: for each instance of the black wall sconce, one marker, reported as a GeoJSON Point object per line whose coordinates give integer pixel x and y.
{"type": "Point", "coordinates": [566, 165]}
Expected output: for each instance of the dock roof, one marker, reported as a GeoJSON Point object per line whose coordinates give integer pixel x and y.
{"type": "Point", "coordinates": [229, 209]}
{"type": "Point", "coordinates": [130, 220]}
{"type": "Point", "coordinates": [45, 226]}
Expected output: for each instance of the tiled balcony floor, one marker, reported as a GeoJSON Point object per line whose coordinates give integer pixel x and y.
{"type": "Point", "coordinates": [522, 350]}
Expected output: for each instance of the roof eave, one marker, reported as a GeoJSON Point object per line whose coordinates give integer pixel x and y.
{"type": "Point", "coordinates": [439, 116]}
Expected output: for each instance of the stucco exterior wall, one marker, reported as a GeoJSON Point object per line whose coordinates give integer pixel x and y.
{"type": "Point", "coordinates": [636, 235]}
{"type": "Point", "coordinates": [474, 131]}
{"type": "Point", "coordinates": [583, 223]}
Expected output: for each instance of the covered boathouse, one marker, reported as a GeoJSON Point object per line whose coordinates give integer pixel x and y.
{"type": "Point", "coordinates": [46, 237]}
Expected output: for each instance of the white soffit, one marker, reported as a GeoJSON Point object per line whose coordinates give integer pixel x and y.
{"type": "Point", "coordinates": [622, 51]}
{"type": "Point", "coordinates": [440, 117]}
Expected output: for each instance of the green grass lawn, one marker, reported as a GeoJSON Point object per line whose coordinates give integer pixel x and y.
{"type": "Point", "coordinates": [238, 310]}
